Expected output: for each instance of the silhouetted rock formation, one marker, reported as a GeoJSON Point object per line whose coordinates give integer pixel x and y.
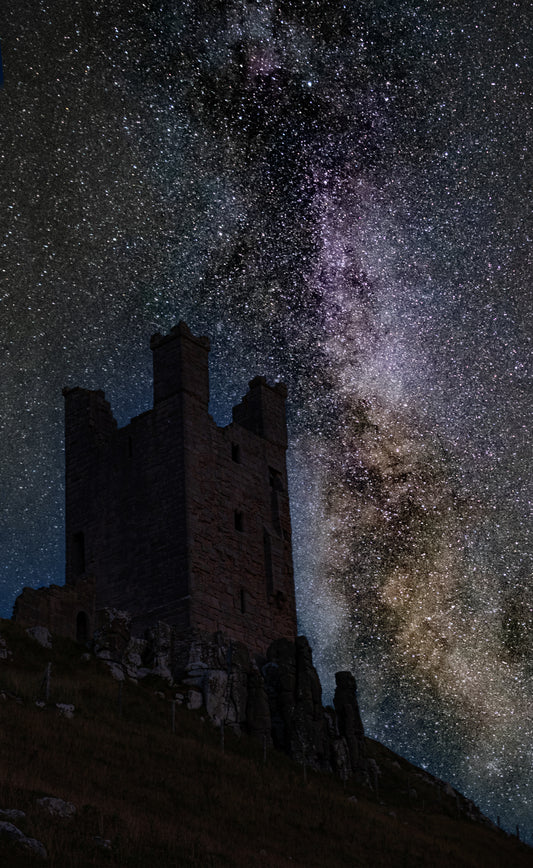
{"type": "Point", "coordinates": [349, 720]}
{"type": "Point", "coordinates": [277, 698]}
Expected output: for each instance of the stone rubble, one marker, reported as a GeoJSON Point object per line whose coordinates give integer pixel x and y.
{"type": "Point", "coordinates": [13, 835]}
{"type": "Point", "coordinates": [5, 653]}
{"type": "Point", "coordinates": [41, 635]}
{"type": "Point", "coordinates": [65, 709]}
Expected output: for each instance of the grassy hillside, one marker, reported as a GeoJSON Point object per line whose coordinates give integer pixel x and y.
{"type": "Point", "coordinates": [179, 799]}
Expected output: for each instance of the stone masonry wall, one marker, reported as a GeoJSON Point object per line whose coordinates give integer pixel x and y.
{"type": "Point", "coordinates": [179, 520]}
{"type": "Point", "coordinates": [240, 533]}
{"type": "Point", "coordinates": [67, 611]}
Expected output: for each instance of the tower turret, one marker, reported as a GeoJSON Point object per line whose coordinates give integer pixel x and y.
{"type": "Point", "coordinates": [180, 364]}
{"type": "Point", "coordinates": [262, 410]}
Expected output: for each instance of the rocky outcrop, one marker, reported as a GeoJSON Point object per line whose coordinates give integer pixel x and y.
{"type": "Point", "coordinates": [299, 725]}
{"type": "Point", "coordinates": [221, 671]}
{"type": "Point", "coordinates": [41, 635]}
{"type": "Point", "coordinates": [349, 723]}
{"type": "Point", "coordinates": [112, 637]}
{"type": "Point", "coordinates": [277, 699]}
{"type": "Point", "coordinates": [5, 653]}
{"type": "Point", "coordinates": [56, 807]}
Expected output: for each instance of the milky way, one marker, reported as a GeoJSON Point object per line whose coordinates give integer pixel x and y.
{"type": "Point", "coordinates": [339, 195]}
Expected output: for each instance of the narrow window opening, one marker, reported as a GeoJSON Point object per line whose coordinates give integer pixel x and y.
{"type": "Point", "coordinates": [274, 477]}
{"type": "Point", "coordinates": [236, 453]}
{"type": "Point", "coordinates": [78, 553]}
{"type": "Point", "coordinates": [269, 576]}
{"type": "Point", "coordinates": [239, 521]}
{"type": "Point", "coordinates": [82, 628]}
{"type": "Point", "coordinates": [243, 600]}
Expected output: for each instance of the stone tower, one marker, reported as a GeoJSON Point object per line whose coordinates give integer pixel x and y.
{"type": "Point", "coordinates": [176, 519]}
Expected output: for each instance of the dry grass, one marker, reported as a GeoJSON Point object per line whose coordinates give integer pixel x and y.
{"type": "Point", "coordinates": [166, 799]}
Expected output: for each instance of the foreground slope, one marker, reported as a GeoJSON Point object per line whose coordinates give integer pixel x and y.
{"type": "Point", "coordinates": [146, 795]}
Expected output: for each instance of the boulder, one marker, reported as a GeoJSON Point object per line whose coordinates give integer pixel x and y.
{"type": "Point", "coordinates": [113, 634]}
{"type": "Point", "coordinates": [218, 669]}
{"type": "Point", "coordinates": [195, 700]}
{"type": "Point", "coordinates": [13, 815]}
{"type": "Point", "coordinates": [116, 670]}
{"type": "Point", "coordinates": [56, 807]}
{"type": "Point", "coordinates": [132, 657]}
{"type": "Point", "coordinates": [41, 635]}
{"type": "Point", "coordinates": [5, 653]}
{"type": "Point", "coordinates": [13, 835]}
{"type": "Point", "coordinates": [157, 654]}
{"type": "Point", "coordinates": [65, 709]}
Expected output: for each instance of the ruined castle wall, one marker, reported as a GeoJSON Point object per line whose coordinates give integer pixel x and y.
{"type": "Point", "coordinates": [125, 507]}
{"type": "Point", "coordinates": [67, 611]}
{"type": "Point", "coordinates": [143, 560]}
{"type": "Point", "coordinates": [239, 523]}
{"type": "Point", "coordinates": [179, 520]}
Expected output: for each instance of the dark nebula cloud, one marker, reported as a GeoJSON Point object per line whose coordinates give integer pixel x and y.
{"type": "Point", "coordinates": [339, 194]}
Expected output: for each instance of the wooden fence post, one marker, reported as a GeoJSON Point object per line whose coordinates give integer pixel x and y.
{"type": "Point", "coordinates": [47, 681]}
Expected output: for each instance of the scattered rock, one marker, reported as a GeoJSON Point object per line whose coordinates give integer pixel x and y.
{"type": "Point", "coordinates": [115, 670]}
{"type": "Point", "coordinates": [12, 814]}
{"type": "Point", "coordinates": [34, 846]}
{"type": "Point", "coordinates": [102, 843]}
{"type": "Point", "coordinates": [5, 653]}
{"type": "Point", "coordinates": [194, 700]}
{"type": "Point", "coordinates": [65, 710]}
{"type": "Point", "coordinates": [57, 807]}
{"type": "Point", "coordinates": [41, 635]}
{"type": "Point", "coordinates": [40, 704]}
{"type": "Point", "coordinates": [12, 834]}
{"type": "Point", "coordinates": [132, 657]}
{"type": "Point", "coordinates": [112, 635]}
{"type": "Point", "coordinates": [158, 650]}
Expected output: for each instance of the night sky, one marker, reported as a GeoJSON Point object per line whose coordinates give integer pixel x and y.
{"type": "Point", "coordinates": [339, 194]}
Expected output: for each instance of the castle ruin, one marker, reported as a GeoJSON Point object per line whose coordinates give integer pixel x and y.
{"type": "Point", "coordinates": [171, 517]}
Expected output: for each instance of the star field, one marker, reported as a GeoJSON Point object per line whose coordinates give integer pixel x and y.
{"type": "Point", "coordinates": [339, 194]}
